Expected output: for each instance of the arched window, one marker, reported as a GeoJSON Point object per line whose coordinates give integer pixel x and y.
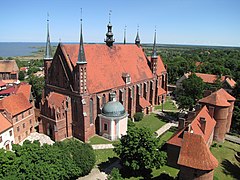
{"type": "Point", "coordinates": [103, 100]}
{"type": "Point", "coordinates": [91, 111]}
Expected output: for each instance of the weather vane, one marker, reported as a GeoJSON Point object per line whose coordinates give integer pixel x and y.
{"type": "Point", "coordinates": [110, 12]}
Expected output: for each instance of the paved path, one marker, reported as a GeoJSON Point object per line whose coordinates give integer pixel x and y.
{"type": "Point", "coordinates": [102, 146]}
{"type": "Point", "coordinates": [165, 127]}
{"type": "Point", "coordinates": [232, 138]}
{"type": "Point", "coordinates": [95, 174]}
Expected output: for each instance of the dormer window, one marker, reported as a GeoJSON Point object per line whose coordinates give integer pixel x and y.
{"type": "Point", "coordinates": [126, 77]}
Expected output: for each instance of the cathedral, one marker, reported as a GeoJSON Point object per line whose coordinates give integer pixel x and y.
{"type": "Point", "coordinates": [81, 78]}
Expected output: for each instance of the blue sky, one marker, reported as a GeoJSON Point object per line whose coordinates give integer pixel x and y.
{"type": "Point", "coordinates": [208, 22]}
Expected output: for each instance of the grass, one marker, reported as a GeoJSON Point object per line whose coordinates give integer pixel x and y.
{"type": "Point", "coordinates": [103, 155]}
{"type": "Point", "coordinates": [165, 137]}
{"type": "Point", "coordinates": [168, 105]}
{"type": "Point", "coordinates": [151, 121]}
{"type": "Point", "coordinates": [228, 167]}
{"type": "Point", "coordinates": [99, 140]}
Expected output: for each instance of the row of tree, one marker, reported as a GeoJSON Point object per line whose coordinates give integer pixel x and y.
{"type": "Point", "coordinates": [63, 160]}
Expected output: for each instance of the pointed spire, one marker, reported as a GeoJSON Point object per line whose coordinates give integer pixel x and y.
{"type": "Point", "coordinates": [48, 51]}
{"type": "Point", "coordinates": [137, 40]}
{"type": "Point", "coordinates": [124, 40]}
{"type": "Point", "coordinates": [81, 54]}
{"type": "Point", "coordinates": [154, 52]}
{"type": "Point", "coordinates": [109, 35]}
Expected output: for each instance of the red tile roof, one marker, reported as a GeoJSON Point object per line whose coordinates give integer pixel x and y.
{"type": "Point", "coordinates": [231, 82]}
{"type": "Point", "coordinates": [161, 91]}
{"type": "Point", "coordinates": [4, 123]}
{"type": "Point", "coordinates": [160, 66]}
{"type": "Point", "coordinates": [209, 78]}
{"type": "Point", "coordinates": [176, 139]}
{"type": "Point", "coordinates": [55, 99]}
{"type": "Point", "coordinates": [25, 89]}
{"type": "Point", "coordinates": [9, 90]}
{"type": "Point", "coordinates": [218, 98]}
{"type": "Point", "coordinates": [143, 102]}
{"type": "Point", "coordinates": [195, 153]}
{"type": "Point", "coordinates": [8, 66]}
{"type": "Point", "coordinates": [15, 104]}
{"type": "Point", "coordinates": [105, 65]}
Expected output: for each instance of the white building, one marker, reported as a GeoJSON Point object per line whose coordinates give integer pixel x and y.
{"type": "Point", "coordinates": [6, 133]}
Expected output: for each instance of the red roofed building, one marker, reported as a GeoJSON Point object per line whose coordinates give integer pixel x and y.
{"type": "Point", "coordinates": [8, 71]}
{"type": "Point", "coordinates": [6, 133]}
{"type": "Point", "coordinates": [195, 159]}
{"type": "Point", "coordinates": [188, 149]}
{"type": "Point", "coordinates": [227, 82]}
{"type": "Point", "coordinates": [87, 74]}
{"type": "Point", "coordinates": [20, 112]}
{"type": "Point", "coordinates": [199, 122]}
{"type": "Point", "coordinates": [220, 104]}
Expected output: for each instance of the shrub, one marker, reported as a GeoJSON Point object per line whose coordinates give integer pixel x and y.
{"type": "Point", "coordinates": [138, 116]}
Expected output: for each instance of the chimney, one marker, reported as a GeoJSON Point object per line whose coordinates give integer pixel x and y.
{"type": "Point", "coordinates": [203, 124]}
{"type": "Point", "coordinates": [198, 107]}
{"type": "Point", "coordinates": [181, 123]}
{"type": "Point", "coordinates": [126, 77]}
{"type": "Point", "coordinates": [211, 111]}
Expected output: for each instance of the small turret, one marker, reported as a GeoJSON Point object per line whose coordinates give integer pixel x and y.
{"type": "Point", "coordinates": [109, 35]}
{"type": "Point", "coordinates": [48, 51]}
{"type": "Point", "coordinates": [154, 56]}
{"type": "Point", "coordinates": [137, 40]}
{"type": "Point", "coordinates": [124, 39]}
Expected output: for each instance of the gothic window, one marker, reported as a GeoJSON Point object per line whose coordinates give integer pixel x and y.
{"type": "Point", "coordinates": [163, 80]}
{"type": "Point", "coordinates": [103, 100]}
{"type": "Point", "coordinates": [91, 111]}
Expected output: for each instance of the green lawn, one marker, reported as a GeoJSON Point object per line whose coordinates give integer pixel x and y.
{"type": "Point", "coordinates": [168, 105]}
{"type": "Point", "coordinates": [228, 167]}
{"type": "Point", "coordinates": [151, 121]}
{"type": "Point", "coordinates": [99, 140]}
{"type": "Point", "coordinates": [165, 137]}
{"type": "Point", "coordinates": [103, 155]}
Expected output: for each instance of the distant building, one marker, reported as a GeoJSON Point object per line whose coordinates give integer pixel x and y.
{"type": "Point", "coordinates": [9, 71]}
{"type": "Point", "coordinates": [86, 74]}
{"type": "Point", "coordinates": [6, 133]}
{"type": "Point", "coordinates": [227, 82]}
{"type": "Point", "coordinates": [188, 149]}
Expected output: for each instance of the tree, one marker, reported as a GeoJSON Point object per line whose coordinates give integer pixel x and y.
{"type": "Point", "coordinates": [21, 75]}
{"type": "Point", "coordinates": [192, 90]}
{"type": "Point", "coordinates": [236, 113]}
{"type": "Point", "coordinates": [139, 150]}
{"type": "Point", "coordinates": [138, 116]}
{"type": "Point", "coordinates": [115, 175]}
{"type": "Point", "coordinates": [37, 87]}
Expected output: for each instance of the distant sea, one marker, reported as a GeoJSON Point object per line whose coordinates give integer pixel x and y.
{"type": "Point", "coordinates": [10, 49]}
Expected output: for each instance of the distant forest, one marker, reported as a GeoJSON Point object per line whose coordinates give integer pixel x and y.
{"type": "Point", "coordinates": [217, 60]}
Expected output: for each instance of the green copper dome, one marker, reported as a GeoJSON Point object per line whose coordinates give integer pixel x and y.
{"type": "Point", "coordinates": [113, 109]}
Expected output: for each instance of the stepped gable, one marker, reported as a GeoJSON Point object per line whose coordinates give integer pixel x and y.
{"type": "Point", "coordinates": [4, 123]}
{"type": "Point", "coordinates": [218, 98]}
{"type": "Point", "coordinates": [195, 125]}
{"type": "Point", "coordinates": [105, 65]}
{"type": "Point", "coordinates": [195, 153]}
{"type": "Point", "coordinates": [15, 104]}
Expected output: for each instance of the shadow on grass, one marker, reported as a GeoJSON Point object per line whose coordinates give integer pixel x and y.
{"type": "Point", "coordinates": [164, 176]}
{"type": "Point", "coordinates": [142, 174]}
{"type": "Point", "coordinates": [107, 166]}
{"type": "Point", "coordinates": [231, 169]}
{"type": "Point", "coordinates": [168, 116]}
